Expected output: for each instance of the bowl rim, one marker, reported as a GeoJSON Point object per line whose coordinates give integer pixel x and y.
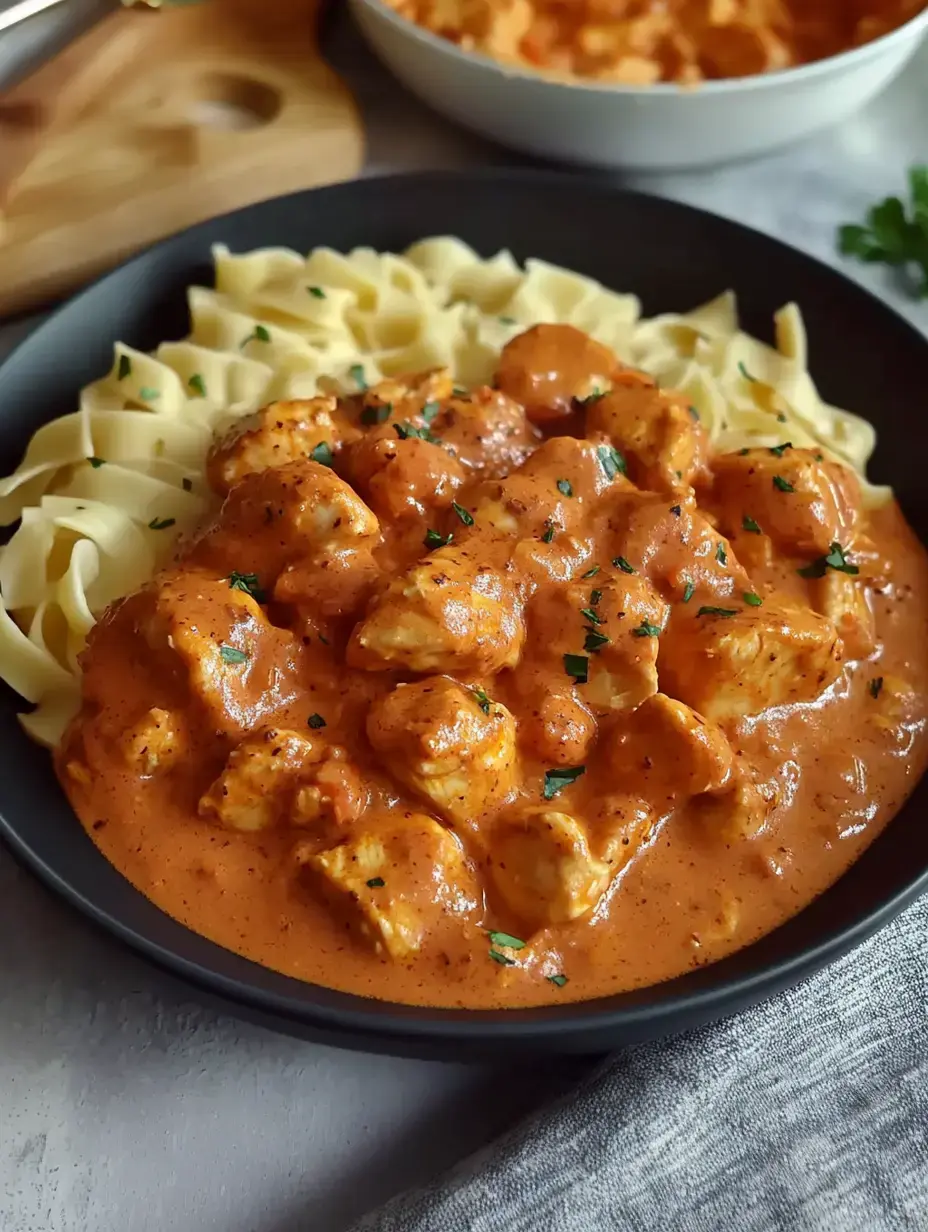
{"type": "Point", "coordinates": [911, 29]}
{"type": "Point", "coordinates": [354, 1020]}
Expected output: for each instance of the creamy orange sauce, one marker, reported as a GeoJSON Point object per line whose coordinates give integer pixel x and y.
{"type": "Point", "coordinates": [347, 780]}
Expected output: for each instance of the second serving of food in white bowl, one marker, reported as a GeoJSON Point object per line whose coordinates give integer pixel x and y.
{"type": "Point", "coordinates": [652, 87]}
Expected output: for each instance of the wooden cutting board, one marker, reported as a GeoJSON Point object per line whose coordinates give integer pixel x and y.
{"type": "Point", "coordinates": [156, 120]}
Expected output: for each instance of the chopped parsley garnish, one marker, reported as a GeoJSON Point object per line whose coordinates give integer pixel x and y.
{"type": "Point", "coordinates": [688, 591]}
{"type": "Point", "coordinates": [356, 372]}
{"type": "Point", "coordinates": [160, 523]}
{"type": "Point", "coordinates": [751, 599]}
{"type": "Point", "coordinates": [594, 641]}
{"type": "Point", "coordinates": [676, 510]}
{"type": "Point", "coordinates": [694, 413]}
{"type": "Point", "coordinates": [460, 392]}
{"type": "Point", "coordinates": [408, 431]}
{"type": "Point", "coordinates": [316, 292]}
{"type": "Point", "coordinates": [147, 394]}
{"type": "Point", "coordinates": [322, 454]}
{"type": "Point", "coordinates": [781, 418]}
{"type": "Point", "coordinates": [434, 540]}
{"type": "Point", "coordinates": [743, 453]}
{"type": "Point", "coordinates": [374, 883]}
{"type": "Point", "coordinates": [895, 233]}
{"type": "Point", "coordinates": [563, 486]}
{"type": "Point", "coordinates": [507, 320]}
{"type": "Point", "coordinates": [779, 450]}
{"type": "Point", "coordinates": [744, 372]}
{"type": "Point", "coordinates": [557, 780]}
{"type": "Point", "coordinates": [782, 485]}
{"type": "Point", "coordinates": [503, 959]}
{"type": "Point", "coordinates": [186, 484]}
{"type": "Point", "coordinates": [198, 385]}
{"type": "Point", "coordinates": [834, 558]}
{"type": "Point", "coordinates": [591, 616]}
{"type": "Point", "coordinates": [750, 525]}
{"type": "Point", "coordinates": [548, 536]}
{"type": "Point", "coordinates": [559, 980]}
{"type": "Point", "coordinates": [721, 555]}
{"type": "Point", "coordinates": [260, 333]}
{"type": "Point", "coordinates": [593, 397]}
{"type": "Point", "coordinates": [125, 367]}
{"type": "Point", "coordinates": [482, 700]}
{"type": "Point", "coordinates": [466, 518]}
{"type": "Point", "coordinates": [591, 572]}
{"type": "Point", "coordinates": [577, 666]}
{"type": "Point", "coordinates": [506, 940]}
{"type": "Point", "coordinates": [231, 655]}
{"type": "Point", "coordinates": [96, 462]}
{"type": "Point", "coordinates": [621, 563]}
{"type": "Point", "coordinates": [430, 410]}
{"type": "Point", "coordinates": [717, 611]}
{"type": "Point", "coordinates": [249, 583]}
{"type": "Point", "coordinates": [595, 596]}
{"type": "Point", "coordinates": [646, 629]}
{"type": "Point", "coordinates": [820, 457]}
{"type": "Point", "coordinates": [316, 721]}
{"type": "Point", "coordinates": [376, 414]}
{"type": "Point", "coordinates": [875, 687]}
{"type": "Point", "coordinates": [611, 460]}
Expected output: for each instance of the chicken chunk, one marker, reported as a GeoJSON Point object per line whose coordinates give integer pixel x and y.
{"type": "Point", "coordinates": [396, 883]}
{"type": "Point", "coordinates": [153, 742]}
{"type": "Point", "coordinates": [668, 749]}
{"type": "Point", "coordinates": [549, 368]}
{"type": "Point", "coordinates": [843, 600]}
{"type": "Point", "coordinates": [449, 743]}
{"type": "Point", "coordinates": [279, 433]}
{"type": "Point", "coordinates": [604, 634]}
{"type": "Point", "coordinates": [216, 641]}
{"type": "Point", "coordinates": [282, 515]}
{"type": "Point", "coordinates": [414, 399]}
{"type": "Point", "coordinates": [803, 503]}
{"type": "Point", "coordinates": [404, 477]}
{"type": "Point", "coordinates": [334, 582]}
{"type": "Point", "coordinates": [738, 812]}
{"type": "Point", "coordinates": [738, 661]}
{"type": "Point", "coordinates": [279, 777]}
{"type": "Point", "coordinates": [487, 432]}
{"type": "Point", "coordinates": [656, 432]}
{"type": "Point", "coordinates": [449, 613]}
{"type": "Point", "coordinates": [553, 725]}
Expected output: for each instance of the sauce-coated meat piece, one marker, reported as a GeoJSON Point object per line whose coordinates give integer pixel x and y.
{"type": "Point", "coordinates": [404, 478]}
{"type": "Point", "coordinates": [550, 368]}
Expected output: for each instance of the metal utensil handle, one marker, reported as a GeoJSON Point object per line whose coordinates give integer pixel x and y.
{"type": "Point", "coordinates": [33, 31]}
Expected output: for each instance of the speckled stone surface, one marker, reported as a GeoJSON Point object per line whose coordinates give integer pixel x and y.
{"type": "Point", "coordinates": [125, 1106]}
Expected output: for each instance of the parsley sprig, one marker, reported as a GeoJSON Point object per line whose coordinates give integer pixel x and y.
{"type": "Point", "coordinates": [895, 234]}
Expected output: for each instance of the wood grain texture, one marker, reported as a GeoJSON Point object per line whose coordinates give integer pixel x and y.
{"type": "Point", "coordinates": [126, 136]}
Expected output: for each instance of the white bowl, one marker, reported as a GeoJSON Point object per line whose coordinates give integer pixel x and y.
{"type": "Point", "coordinates": [648, 128]}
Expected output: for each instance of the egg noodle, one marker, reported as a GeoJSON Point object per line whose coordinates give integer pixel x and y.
{"type": "Point", "coordinates": [102, 494]}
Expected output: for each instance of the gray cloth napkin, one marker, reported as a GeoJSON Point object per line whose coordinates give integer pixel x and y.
{"type": "Point", "coordinates": [808, 1112]}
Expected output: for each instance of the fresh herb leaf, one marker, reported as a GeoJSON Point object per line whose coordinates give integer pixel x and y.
{"type": "Point", "coordinates": [124, 369]}
{"type": "Point", "coordinates": [563, 486]}
{"type": "Point", "coordinates": [717, 611]}
{"type": "Point", "coordinates": [249, 583]}
{"type": "Point", "coordinates": [430, 410]}
{"type": "Point", "coordinates": [612, 462]}
{"type": "Point", "coordinates": [750, 525]}
{"type": "Point", "coordinates": [591, 616]}
{"type": "Point", "coordinates": [721, 555]}
{"type": "Point", "coordinates": [621, 563]}
{"type": "Point", "coordinates": [322, 454]}
{"type": "Point", "coordinates": [482, 700]}
{"type": "Point", "coordinates": [316, 721]}
{"type": "Point", "coordinates": [356, 372]}
{"type": "Point", "coordinates": [161, 523]}
{"type": "Point", "coordinates": [875, 687]}
{"type": "Point", "coordinates": [466, 518]}
{"type": "Point", "coordinates": [506, 940]}
{"type": "Point", "coordinates": [375, 883]}
{"type": "Point", "coordinates": [694, 413]}
{"type": "Point", "coordinates": [503, 959]}
{"type": "Point", "coordinates": [435, 540]}
{"type": "Point", "coordinates": [96, 462]}
{"type": "Point", "coordinates": [186, 484]}
{"type": "Point", "coordinates": [751, 599]}
{"type": "Point", "coordinates": [743, 453]}
{"type": "Point", "coordinates": [895, 235]}
{"type": "Point", "coordinates": [147, 394]}
{"type": "Point", "coordinates": [376, 414]}
{"type": "Point", "coordinates": [557, 780]}
{"type": "Point", "coordinates": [559, 980]}
{"type": "Point", "coordinates": [688, 591]}
{"type": "Point", "coordinates": [260, 333]}
{"type": "Point", "coordinates": [577, 666]}
{"type": "Point", "coordinates": [744, 372]}
{"type": "Point", "coordinates": [835, 558]}
{"type": "Point", "coordinates": [779, 450]}
{"type": "Point", "coordinates": [507, 320]}
{"type": "Point", "coordinates": [459, 391]}
{"type": "Point", "coordinates": [594, 641]}
{"type": "Point", "coordinates": [591, 572]}
{"type": "Point", "coordinates": [781, 418]}
{"type": "Point", "coordinates": [595, 596]}
{"type": "Point", "coordinates": [230, 654]}
{"type": "Point", "coordinates": [782, 485]}
{"type": "Point", "coordinates": [548, 536]}
{"type": "Point", "coordinates": [316, 292]}
{"type": "Point", "coordinates": [198, 385]}
{"type": "Point", "coordinates": [408, 431]}
{"type": "Point", "coordinates": [676, 510]}
{"type": "Point", "coordinates": [646, 629]}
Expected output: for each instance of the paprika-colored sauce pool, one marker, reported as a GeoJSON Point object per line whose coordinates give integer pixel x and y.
{"type": "Point", "coordinates": [506, 697]}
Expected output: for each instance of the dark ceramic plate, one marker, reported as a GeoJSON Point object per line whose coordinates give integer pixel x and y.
{"type": "Point", "coordinates": [673, 257]}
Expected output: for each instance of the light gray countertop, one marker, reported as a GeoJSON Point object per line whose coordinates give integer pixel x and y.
{"type": "Point", "coordinates": [125, 1106]}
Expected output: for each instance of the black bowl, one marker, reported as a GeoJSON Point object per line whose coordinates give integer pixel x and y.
{"type": "Point", "coordinates": [863, 357]}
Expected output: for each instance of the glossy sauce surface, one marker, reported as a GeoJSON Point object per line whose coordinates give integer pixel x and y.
{"type": "Point", "coordinates": [608, 718]}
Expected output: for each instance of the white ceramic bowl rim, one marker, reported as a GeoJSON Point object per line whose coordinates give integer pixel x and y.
{"type": "Point", "coordinates": [756, 81]}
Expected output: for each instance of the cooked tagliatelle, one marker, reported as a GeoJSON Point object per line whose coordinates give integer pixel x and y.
{"type": "Point", "coordinates": [103, 493]}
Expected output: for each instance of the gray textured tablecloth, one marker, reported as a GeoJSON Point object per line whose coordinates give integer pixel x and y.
{"type": "Point", "coordinates": [809, 1112]}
